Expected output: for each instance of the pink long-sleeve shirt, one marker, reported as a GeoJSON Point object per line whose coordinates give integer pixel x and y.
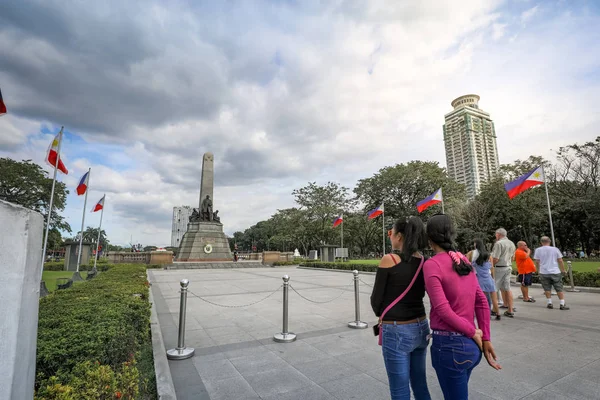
{"type": "Point", "coordinates": [455, 300]}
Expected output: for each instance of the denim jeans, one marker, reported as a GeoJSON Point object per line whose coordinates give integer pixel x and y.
{"type": "Point", "coordinates": [453, 358]}
{"type": "Point", "coordinates": [404, 350]}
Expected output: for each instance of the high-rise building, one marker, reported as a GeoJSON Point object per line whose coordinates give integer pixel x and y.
{"type": "Point", "coordinates": [470, 141]}
{"type": "Point", "coordinates": [181, 217]}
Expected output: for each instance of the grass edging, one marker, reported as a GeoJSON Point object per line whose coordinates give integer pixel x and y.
{"type": "Point", "coordinates": [164, 381]}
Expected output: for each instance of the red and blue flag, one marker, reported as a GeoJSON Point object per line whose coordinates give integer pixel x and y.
{"type": "Point", "coordinates": [2, 105]}
{"type": "Point", "coordinates": [533, 178]}
{"type": "Point", "coordinates": [100, 205]}
{"type": "Point", "coordinates": [83, 184]}
{"type": "Point", "coordinates": [376, 212]}
{"type": "Point", "coordinates": [429, 201]}
{"type": "Point", "coordinates": [338, 221]}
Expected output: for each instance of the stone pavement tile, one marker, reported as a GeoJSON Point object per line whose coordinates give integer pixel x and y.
{"type": "Point", "coordinates": [364, 360]}
{"type": "Point", "coordinates": [536, 376]}
{"type": "Point", "coordinates": [313, 392]}
{"type": "Point", "coordinates": [212, 322]}
{"type": "Point", "coordinates": [281, 380]}
{"type": "Point", "coordinates": [494, 384]}
{"type": "Point", "coordinates": [252, 364]}
{"type": "Point", "coordinates": [297, 352]}
{"type": "Point", "coordinates": [473, 395]}
{"type": "Point", "coordinates": [198, 339]}
{"type": "Point", "coordinates": [380, 374]}
{"type": "Point", "coordinates": [243, 349]}
{"type": "Point", "coordinates": [324, 370]}
{"type": "Point", "coordinates": [337, 346]}
{"type": "Point", "coordinates": [223, 331]}
{"type": "Point", "coordinates": [549, 357]}
{"type": "Point", "coordinates": [216, 370]}
{"type": "Point", "coordinates": [544, 394]}
{"type": "Point", "coordinates": [576, 388]}
{"type": "Point", "coordinates": [232, 388]}
{"type": "Point", "coordinates": [232, 338]}
{"type": "Point", "coordinates": [360, 386]}
{"type": "Point", "coordinates": [590, 372]}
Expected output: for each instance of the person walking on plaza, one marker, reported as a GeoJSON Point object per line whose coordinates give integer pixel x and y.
{"type": "Point", "coordinates": [525, 268]}
{"type": "Point", "coordinates": [549, 262]}
{"type": "Point", "coordinates": [397, 300]}
{"type": "Point", "coordinates": [456, 300]}
{"type": "Point", "coordinates": [482, 261]}
{"type": "Point", "coordinates": [502, 255]}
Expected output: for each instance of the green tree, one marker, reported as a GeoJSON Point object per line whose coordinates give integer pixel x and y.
{"type": "Point", "coordinates": [402, 186]}
{"type": "Point", "coordinates": [27, 184]}
{"type": "Point", "coordinates": [90, 235]}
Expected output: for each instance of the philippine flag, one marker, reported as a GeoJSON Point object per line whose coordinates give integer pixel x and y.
{"type": "Point", "coordinates": [53, 155]}
{"type": "Point", "coordinates": [338, 221]}
{"type": "Point", "coordinates": [429, 201]}
{"type": "Point", "coordinates": [100, 205]}
{"type": "Point", "coordinates": [83, 184]}
{"type": "Point", "coordinates": [2, 106]}
{"type": "Point", "coordinates": [376, 212]}
{"type": "Point", "coordinates": [531, 179]}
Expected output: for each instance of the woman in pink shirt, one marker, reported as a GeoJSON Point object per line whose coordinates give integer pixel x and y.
{"type": "Point", "coordinates": [456, 299]}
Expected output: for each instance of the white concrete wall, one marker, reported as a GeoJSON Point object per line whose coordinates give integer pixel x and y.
{"type": "Point", "coordinates": [21, 232]}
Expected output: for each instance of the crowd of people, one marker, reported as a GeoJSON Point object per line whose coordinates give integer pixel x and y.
{"type": "Point", "coordinates": [461, 289]}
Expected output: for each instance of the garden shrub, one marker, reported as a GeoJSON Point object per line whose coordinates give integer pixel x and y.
{"type": "Point", "coordinates": [342, 266]}
{"type": "Point", "coordinates": [54, 266]}
{"type": "Point", "coordinates": [284, 263]}
{"type": "Point", "coordinates": [93, 336]}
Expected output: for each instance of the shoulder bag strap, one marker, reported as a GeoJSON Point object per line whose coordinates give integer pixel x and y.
{"type": "Point", "coordinates": [405, 291]}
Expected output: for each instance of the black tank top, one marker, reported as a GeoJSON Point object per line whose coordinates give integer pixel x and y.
{"type": "Point", "coordinates": [391, 283]}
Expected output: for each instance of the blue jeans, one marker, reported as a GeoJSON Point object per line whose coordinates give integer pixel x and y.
{"type": "Point", "coordinates": [404, 350]}
{"type": "Point", "coordinates": [453, 358]}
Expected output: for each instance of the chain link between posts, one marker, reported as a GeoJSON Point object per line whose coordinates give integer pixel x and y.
{"type": "Point", "coordinates": [240, 306]}
{"type": "Point", "coordinates": [342, 291]}
{"type": "Point", "coordinates": [365, 283]}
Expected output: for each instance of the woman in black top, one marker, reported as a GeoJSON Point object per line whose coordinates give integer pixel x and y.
{"type": "Point", "coordinates": [404, 328]}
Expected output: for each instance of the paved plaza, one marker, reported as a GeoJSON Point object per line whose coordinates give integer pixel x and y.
{"type": "Point", "coordinates": [545, 354]}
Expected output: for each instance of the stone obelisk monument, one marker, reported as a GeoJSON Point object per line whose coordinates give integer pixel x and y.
{"type": "Point", "coordinates": [204, 239]}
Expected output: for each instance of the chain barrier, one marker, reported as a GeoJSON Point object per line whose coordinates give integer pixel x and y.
{"type": "Point", "coordinates": [240, 306]}
{"type": "Point", "coordinates": [365, 283]}
{"type": "Point", "coordinates": [342, 291]}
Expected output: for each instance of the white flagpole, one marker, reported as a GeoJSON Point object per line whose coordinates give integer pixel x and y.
{"type": "Point", "coordinates": [383, 226]}
{"type": "Point", "coordinates": [51, 196]}
{"type": "Point", "coordinates": [342, 238]}
{"type": "Point", "coordinates": [441, 193]}
{"type": "Point", "coordinates": [549, 210]}
{"type": "Point", "coordinates": [83, 218]}
{"type": "Point", "coordinates": [99, 230]}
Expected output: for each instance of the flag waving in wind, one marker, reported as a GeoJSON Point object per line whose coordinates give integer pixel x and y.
{"type": "Point", "coordinates": [531, 179]}
{"type": "Point", "coordinates": [83, 184]}
{"type": "Point", "coordinates": [53, 155]}
{"type": "Point", "coordinates": [376, 212]}
{"type": "Point", "coordinates": [338, 221]}
{"type": "Point", "coordinates": [429, 201]}
{"type": "Point", "coordinates": [100, 205]}
{"type": "Point", "coordinates": [2, 106]}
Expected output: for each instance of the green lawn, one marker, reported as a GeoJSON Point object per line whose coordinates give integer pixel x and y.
{"type": "Point", "coordinates": [580, 266]}
{"type": "Point", "coordinates": [50, 278]}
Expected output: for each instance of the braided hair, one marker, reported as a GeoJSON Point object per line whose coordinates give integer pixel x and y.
{"type": "Point", "coordinates": [440, 231]}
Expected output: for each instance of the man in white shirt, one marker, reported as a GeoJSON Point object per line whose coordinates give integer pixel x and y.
{"type": "Point", "coordinates": [502, 254]}
{"type": "Point", "coordinates": [549, 262]}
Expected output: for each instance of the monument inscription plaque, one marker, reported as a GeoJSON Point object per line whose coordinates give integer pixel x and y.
{"type": "Point", "coordinates": [204, 239]}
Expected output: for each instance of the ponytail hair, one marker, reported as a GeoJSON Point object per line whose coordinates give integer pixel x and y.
{"type": "Point", "coordinates": [414, 237]}
{"type": "Point", "coordinates": [440, 231]}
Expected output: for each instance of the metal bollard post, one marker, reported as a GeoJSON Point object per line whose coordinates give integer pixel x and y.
{"type": "Point", "coordinates": [357, 323]}
{"type": "Point", "coordinates": [570, 271]}
{"type": "Point", "coordinates": [285, 336]}
{"type": "Point", "coordinates": [181, 352]}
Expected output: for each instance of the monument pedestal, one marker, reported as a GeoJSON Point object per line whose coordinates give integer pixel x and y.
{"type": "Point", "coordinates": [204, 241]}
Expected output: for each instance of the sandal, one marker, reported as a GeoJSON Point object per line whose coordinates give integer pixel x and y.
{"type": "Point", "coordinates": [529, 300]}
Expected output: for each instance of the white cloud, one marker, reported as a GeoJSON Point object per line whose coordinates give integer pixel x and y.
{"type": "Point", "coordinates": [282, 95]}
{"type": "Point", "coordinates": [528, 14]}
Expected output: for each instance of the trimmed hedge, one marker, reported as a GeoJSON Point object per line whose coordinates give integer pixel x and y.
{"type": "Point", "coordinates": [342, 266]}
{"type": "Point", "coordinates": [94, 339]}
{"type": "Point", "coordinates": [583, 279]}
{"type": "Point", "coordinates": [284, 263]}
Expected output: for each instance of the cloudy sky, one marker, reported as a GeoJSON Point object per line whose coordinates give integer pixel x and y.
{"type": "Point", "coordinates": [282, 92]}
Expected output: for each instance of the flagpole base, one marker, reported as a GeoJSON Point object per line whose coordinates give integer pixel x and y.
{"type": "Point", "coordinates": [77, 277]}
{"type": "Point", "coordinates": [284, 337]}
{"type": "Point", "coordinates": [180, 354]}
{"type": "Point", "coordinates": [43, 289]}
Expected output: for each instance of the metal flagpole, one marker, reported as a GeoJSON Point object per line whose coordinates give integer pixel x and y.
{"type": "Point", "coordinates": [441, 192]}
{"type": "Point", "coordinates": [549, 210]}
{"type": "Point", "coordinates": [99, 230]}
{"type": "Point", "coordinates": [342, 238]}
{"type": "Point", "coordinates": [83, 219]}
{"type": "Point", "coordinates": [51, 198]}
{"type": "Point", "coordinates": [383, 226]}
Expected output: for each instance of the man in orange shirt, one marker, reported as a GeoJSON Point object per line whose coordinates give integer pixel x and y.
{"type": "Point", "coordinates": [525, 268]}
